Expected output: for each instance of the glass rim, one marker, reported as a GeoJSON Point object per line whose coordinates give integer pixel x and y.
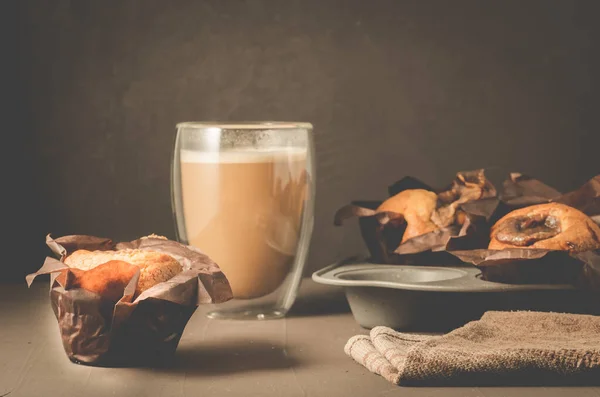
{"type": "Point", "coordinates": [245, 125]}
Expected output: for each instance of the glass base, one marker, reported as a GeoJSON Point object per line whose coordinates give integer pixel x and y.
{"type": "Point", "coordinates": [246, 314]}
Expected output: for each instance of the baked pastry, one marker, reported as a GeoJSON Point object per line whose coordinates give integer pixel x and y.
{"type": "Point", "coordinates": [424, 211]}
{"type": "Point", "coordinates": [413, 206]}
{"type": "Point", "coordinates": [155, 267]}
{"type": "Point", "coordinates": [107, 280]}
{"type": "Point", "coordinates": [550, 226]}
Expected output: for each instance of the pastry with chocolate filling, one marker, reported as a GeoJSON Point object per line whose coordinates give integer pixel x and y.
{"type": "Point", "coordinates": [546, 226]}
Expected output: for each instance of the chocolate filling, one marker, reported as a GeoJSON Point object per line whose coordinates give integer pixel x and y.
{"type": "Point", "coordinates": [525, 231]}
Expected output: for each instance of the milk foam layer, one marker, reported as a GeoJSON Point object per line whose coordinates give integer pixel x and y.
{"type": "Point", "coordinates": [261, 155]}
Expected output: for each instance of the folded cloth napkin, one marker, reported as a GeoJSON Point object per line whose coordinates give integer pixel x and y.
{"type": "Point", "coordinates": [501, 348]}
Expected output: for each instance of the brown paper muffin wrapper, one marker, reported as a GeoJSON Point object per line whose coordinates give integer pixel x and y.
{"type": "Point", "coordinates": [140, 332]}
{"type": "Point", "coordinates": [383, 238]}
{"type": "Point", "coordinates": [535, 266]}
{"type": "Point", "coordinates": [521, 191]}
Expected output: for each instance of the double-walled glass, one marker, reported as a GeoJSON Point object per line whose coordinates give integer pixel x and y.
{"type": "Point", "coordinates": [244, 194]}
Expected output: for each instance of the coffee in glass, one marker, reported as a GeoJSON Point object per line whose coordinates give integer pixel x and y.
{"type": "Point", "coordinates": [243, 193]}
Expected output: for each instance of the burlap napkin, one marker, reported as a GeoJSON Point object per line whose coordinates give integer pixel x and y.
{"type": "Point", "coordinates": [503, 348]}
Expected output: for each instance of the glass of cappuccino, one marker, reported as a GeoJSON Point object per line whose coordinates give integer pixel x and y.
{"type": "Point", "coordinates": [243, 193]}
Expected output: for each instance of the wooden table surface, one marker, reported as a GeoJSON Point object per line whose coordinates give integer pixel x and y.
{"type": "Point", "coordinates": [301, 355]}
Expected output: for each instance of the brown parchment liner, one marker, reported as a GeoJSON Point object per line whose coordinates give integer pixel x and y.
{"type": "Point", "coordinates": [526, 266]}
{"type": "Point", "coordinates": [145, 331]}
{"type": "Point", "coordinates": [383, 238]}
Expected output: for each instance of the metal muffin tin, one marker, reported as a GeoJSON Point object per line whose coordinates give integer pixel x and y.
{"type": "Point", "coordinates": [437, 298]}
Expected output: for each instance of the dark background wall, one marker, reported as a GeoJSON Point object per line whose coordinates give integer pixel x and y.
{"type": "Point", "coordinates": [425, 88]}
